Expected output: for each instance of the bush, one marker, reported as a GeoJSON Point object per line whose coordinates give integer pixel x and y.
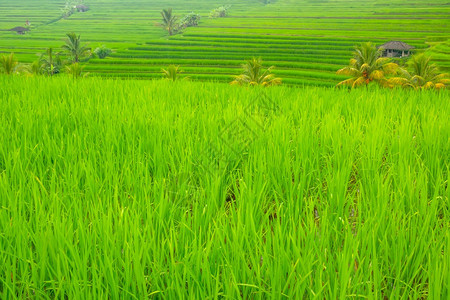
{"type": "Point", "coordinates": [190, 20]}
{"type": "Point", "coordinates": [102, 52]}
{"type": "Point", "coordinates": [220, 12]}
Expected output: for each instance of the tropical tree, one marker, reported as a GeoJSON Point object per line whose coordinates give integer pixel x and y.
{"type": "Point", "coordinates": [36, 68]}
{"type": "Point", "coordinates": [102, 52]}
{"type": "Point", "coordinates": [8, 64]}
{"type": "Point", "coordinates": [422, 74]}
{"type": "Point", "coordinates": [254, 74]}
{"type": "Point", "coordinates": [220, 12]}
{"type": "Point", "coordinates": [173, 73]}
{"type": "Point", "coordinates": [51, 63]}
{"type": "Point", "coordinates": [190, 20]}
{"type": "Point", "coordinates": [169, 21]}
{"type": "Point", "coordinates": [368, 66]}
{"type": "Point", "coordinates": [68, 9]}
{"type": "Point", "coordinates": [74, 48]}
{"type": "Point", "coordinates": [76, 70]}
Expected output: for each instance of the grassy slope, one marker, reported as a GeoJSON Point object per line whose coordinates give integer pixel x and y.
{"type": "Point", "coordinates": [306, 40]}
{"type": "Point", "coordinates": [134, 188]}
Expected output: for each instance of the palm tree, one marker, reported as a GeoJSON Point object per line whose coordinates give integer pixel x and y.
{"type": "Point", "coordinates": [36, 67]}
{"type": "Point", "coordinates": [76, 70]}
{"type": "Point", "coordinates": [74, 48]}
{"type": "Point", "coordinates": [173, 73]}
{"type": "Point", "coordinates": [366, 66]}
{"type": "Point", "coordinates": [422, 75]}
{"type": "Point", "coordinates": [52, 63]}
{"type": "Point", "coordinates": [8, 64]}
{"type": "Point", "coordinates": [169, 21]}
{"type": "Point", "coordinates": [254, 74]}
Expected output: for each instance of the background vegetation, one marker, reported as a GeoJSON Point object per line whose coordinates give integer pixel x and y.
{"type": "Point", "coordinates": [306, 40]}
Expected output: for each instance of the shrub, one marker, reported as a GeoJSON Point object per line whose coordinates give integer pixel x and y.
{"type": "Point", "coordinates": [102, 52]}
{"type": "Point", "coordinates": [190, 20]}
{"type": "Point", "coordinates": [8, 64]}
{"type": "Point", "coordinates": [173, 73]}
{"type": "Point", "coordinates": [76, 70]}
{"type": "Point", "coordinates": [220, 12]}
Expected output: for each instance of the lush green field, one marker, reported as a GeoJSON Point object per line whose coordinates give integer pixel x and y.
{"type": "Point", "coordinates": [307, 40]}
{"type": "Point", "coordinates": [134, 189]}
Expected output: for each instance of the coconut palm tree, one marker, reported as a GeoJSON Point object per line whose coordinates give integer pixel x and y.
{"type": "Point", "coordinates": [254, 74]}
{"type": "Point", "coordinates": [169, 21]}
{"type": "Point", "coordinates": [173, 73]}
{"type": "Point", "coordinates": [74, 48]}
{"type": "Point", "coordinates": [367, 66]}
{"type": "Point", "coordinates": [423, 74]}
{"type": "Point", "coordinates": [8, 64]}
{"type": "Point", "coordinates": [76, 70]}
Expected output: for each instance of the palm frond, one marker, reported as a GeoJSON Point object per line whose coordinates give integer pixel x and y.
{"type": "Point", "coordinates": [349, 71]}
{"type": "Point", "coordinates": [348, 82]}
{"type": "Point", "coordinates": [359, 81]}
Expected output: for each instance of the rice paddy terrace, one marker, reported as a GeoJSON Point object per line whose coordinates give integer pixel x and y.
{"type": "Point", "coordinates": [307, 41]}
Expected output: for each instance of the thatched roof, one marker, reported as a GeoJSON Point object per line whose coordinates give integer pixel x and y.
{"type": "Point", "coordinates": [396, 45]}
{"type": "Point", "coordinates": [19, 29]}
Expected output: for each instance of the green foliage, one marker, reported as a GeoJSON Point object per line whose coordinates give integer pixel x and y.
{"type": "Point", "coordinates": [220, 12]}
{"type": "Point", "coordinates": [131, 189]}
{"type": "Point", "coordinates": [169, 21]}
{"type": "Point", "coordinates": [36, 68]}
{"type": "Point", "coordinates": [76, 70]}
{"type": "Point", "coordinates": [68, 9]}
{"type": "Point", "coordinates": [74, 48]}
{"type": "Point", "coordinates": [8, 64]}
{"type": "Point", "coordinates": [190, 20]}
{"type": "Point", "coordinates": [172, 73]}
{"type": "Point", "coordinates": [254, 74]}
{"type": "Point", "coordinates": [367, 66]}
{"type": "Point", "coordinates": [295, 38]}
{"type": "Point", "coordinates": [102, 52]}
{"type": "Point", "coordinates": [422, 74]}
{"type": "Point", "coordinates": [51, 63]}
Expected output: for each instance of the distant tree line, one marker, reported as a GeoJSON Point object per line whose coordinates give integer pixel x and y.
{"type": "Point", "coordinates": [367, 66]}
{"type": "Point", "coordinates": [51, 63]}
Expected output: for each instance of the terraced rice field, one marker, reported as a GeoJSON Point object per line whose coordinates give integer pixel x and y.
{"type": "Point", "coordinates": [307, 41]}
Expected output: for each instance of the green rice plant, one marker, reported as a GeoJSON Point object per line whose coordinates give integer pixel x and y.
{"type": "Point", "coordinates": [321, 31]}
{"type": "Point", "coordinates": [114, 188]}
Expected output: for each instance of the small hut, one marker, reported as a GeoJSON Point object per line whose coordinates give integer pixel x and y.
{"type": "Point", "coordinates": [20, 29]}
{"type": "Point", "coordinates": [396, 49]}
{"type": "Point", "coordinates": [82, 8]}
